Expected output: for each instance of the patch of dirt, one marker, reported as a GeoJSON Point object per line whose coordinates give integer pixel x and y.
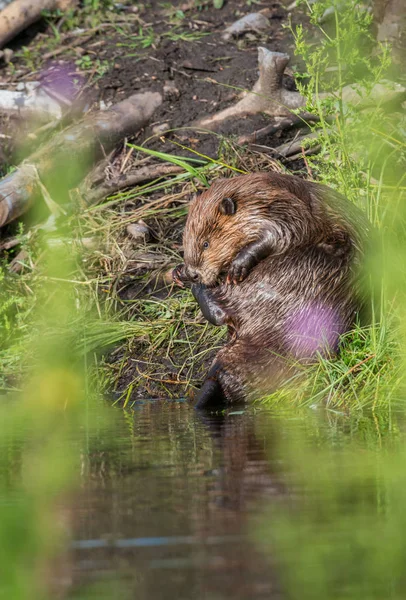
{"type": "Point", "coordinates": [178, 43]}
{"type": "Point", "coordinates": [207, 74]}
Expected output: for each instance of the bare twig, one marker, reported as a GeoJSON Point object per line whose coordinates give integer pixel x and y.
{"type": "Point", "coordinates": [92, 195]}
{"type": "Point", "coordinates": [295, 146]}
{"type": "Point", "coordinates": [280, 124]}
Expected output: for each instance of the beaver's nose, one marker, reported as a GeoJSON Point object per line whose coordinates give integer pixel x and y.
{"type": "Point", "coordinates": [193, 275]}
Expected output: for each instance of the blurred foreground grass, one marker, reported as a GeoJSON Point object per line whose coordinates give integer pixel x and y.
{"type": "Point", "coordinates": [38, 464]}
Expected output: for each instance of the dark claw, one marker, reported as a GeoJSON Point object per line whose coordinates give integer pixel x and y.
{"type": "Point", "coordinates": [237, 272]}
{"type": "Point", "coordinates": [211, 309]}
{"type": "Point", "coordinates": [179, 275]}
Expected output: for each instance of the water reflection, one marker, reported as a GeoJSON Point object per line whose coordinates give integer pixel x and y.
{"type": "Point", "coordinates": [165, 506]}
{"type": "Point", "coordinates": [242, 505]}
{"type": "Point", "coordinates": [343, 533]}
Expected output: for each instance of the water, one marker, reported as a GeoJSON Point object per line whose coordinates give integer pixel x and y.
{"type": "Point", "coordinates": [247, 505]}
{"type": "Point", "coordinates": [166, 507]}
{"type": "Point", "coordinates": [160, 503]}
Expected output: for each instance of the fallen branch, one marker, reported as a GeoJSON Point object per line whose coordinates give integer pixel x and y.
{"type": "Point", "coordinates": [297, 145]}
{"type": "Point", "coordinates": [21, 13]}
{"type": "Point", "coordinates": [280, 124]}
{"type": "Point", "coordinates": [267, 96]}
{"type": "Point", "coordinates": [63, 161]}
{"type": "Point", "coordinates": [92, 193]}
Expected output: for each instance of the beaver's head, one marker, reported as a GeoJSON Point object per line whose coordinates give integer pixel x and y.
{"type": "Point", "coordinates": [221, 221]}
{"type": "Point", "coordinates": [234, 212]}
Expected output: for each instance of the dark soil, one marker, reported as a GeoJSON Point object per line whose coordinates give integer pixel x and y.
{"type": "Point", "coordinates": [184, 46]}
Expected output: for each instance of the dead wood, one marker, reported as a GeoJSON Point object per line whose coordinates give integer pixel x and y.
{"type": "Point", "coordinates": [296, 146]}
{"type": "Point", "coordinates": [280, 124]}
{"type": "Point", "coordinates": [390, 18]}
{"type": "Point", "coordinates": [92, 192]}
{"type": "Point", "coordinates": [270, 97]}
{"type": "Point", "coordinates": [21, 13]}
{"type": "Point", "coordinates": [63, 161]}
{"type": "Point", "coordinates": [267, 96]}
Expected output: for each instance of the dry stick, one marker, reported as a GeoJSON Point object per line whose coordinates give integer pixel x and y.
{"type": "Point", "coordinates": [267, 96]}
{"type": "Point", "coordinates": [81, 38]}
{"type": "Point", "coordinates": [293, 122]}
{"type": "Point", "coordinates": [66, 47]}
{"type": "Point", "coordinates": [305, 152]}
{"type": "Point", "coordinates": [295, 146]}
{"type": "Point", "coordinates": [92, 195]}
{"type": "Point", "coordinates": [21, 13]}
{"type": "Point", "coordinates": [63, 161]}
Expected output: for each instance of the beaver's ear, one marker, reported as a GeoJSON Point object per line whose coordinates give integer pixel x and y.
{"type": "Point", "coordinates": [228, 206]}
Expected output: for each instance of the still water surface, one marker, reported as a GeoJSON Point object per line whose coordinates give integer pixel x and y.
{"type": "Point", "coordinates": [245, 505]}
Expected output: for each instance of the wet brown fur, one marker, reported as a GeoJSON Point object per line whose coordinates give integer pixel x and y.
{"type": "Point", "coordinates": [318, 237]}
{"type": "Point", "coordinates": [297, 212]}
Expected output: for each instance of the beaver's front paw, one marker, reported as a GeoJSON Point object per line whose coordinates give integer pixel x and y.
{"type": "Point", "coordinates": [179, 275]}
{"type": "Point", "coordinates": [240, 267]}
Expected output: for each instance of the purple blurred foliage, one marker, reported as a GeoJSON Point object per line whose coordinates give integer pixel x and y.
{"type": "Point", "coordinates": [313, 328]}
{"type": "Point", "coordinates": [61, 81]}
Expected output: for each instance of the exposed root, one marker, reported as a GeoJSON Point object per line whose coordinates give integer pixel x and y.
{"type": "Point", "coordinates": [267, 96]}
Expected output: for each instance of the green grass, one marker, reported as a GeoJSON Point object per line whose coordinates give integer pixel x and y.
{"type": "Point", "coordinates": [148, 38]}
{"type": "Point", "coordinates": [367, 374]}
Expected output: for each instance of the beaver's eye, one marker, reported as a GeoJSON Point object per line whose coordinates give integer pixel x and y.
{"type": "Point", "coordinates": [205, 245]}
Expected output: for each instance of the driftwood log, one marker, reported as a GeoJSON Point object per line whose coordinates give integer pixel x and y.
{"type": "Point", "coordinates": [20, 14]}
{"type": "Point", "coordinates": [62, 163]}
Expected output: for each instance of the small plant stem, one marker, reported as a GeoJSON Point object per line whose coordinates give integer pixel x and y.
{"type": "Point", "coordinates": [339, 63]}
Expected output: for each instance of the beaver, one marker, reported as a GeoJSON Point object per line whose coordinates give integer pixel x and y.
{"type": "Point", "coordinates": [277, 259]}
